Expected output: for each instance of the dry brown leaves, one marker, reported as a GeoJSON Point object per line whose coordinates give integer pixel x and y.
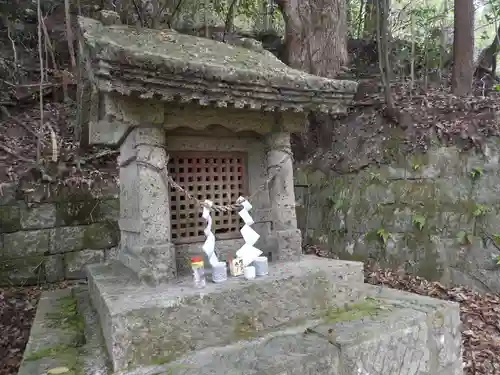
{"type": "Point", "coordinates": [436, 113]}
{"type": "Point", "coordinates": [73, 168]}
{"type": "Point", "coordinates": [17, 311]}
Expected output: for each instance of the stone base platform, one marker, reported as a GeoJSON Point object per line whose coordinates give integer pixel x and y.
{"type": "Point", "coordinates": [358, 329]}
{"type": "Point", "coordinates": [142, 323]}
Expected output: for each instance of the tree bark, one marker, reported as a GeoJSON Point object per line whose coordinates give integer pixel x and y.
{"type": "Point", "coordinates": [370, 21]}
{"type": "Point", "coordinates": [316, 35]}
{"type": "Point", "coordinates": [463, 48]}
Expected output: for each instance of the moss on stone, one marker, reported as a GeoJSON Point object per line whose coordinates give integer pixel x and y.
{"type": "Point", "coordinates": [425, 256]}
{"type": "Point", "coordinates": [418, 161]}
{"type": "Point", "coordinates": [65, 355]}
{"type": "Point", "coordinates": [245, 326]}
{"type": "Point", "coordinates": [22, 270]}
{"type": "Point", "coordinates": [369, 307]}
{"type": "Point", "coordinates": [69, 319]}
{"type": "Point", "coordinates": [101, 235]}
{"type": "Point", "coordinates": [10, 219]}
{"type": "Point", "coordinates": [75, 213]}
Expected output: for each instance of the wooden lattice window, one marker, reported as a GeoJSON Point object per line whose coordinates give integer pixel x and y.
{"type": "Point", "coordinates": [220, 177]}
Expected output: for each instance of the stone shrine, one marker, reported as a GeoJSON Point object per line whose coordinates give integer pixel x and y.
{"type": "Point", "coordinates": [214, 117]}
{"type": "Point", "coordinates": [196, 119]}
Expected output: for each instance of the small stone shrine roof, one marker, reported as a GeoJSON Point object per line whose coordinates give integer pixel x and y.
{"type": "Point", "coordinates": [169, 66]}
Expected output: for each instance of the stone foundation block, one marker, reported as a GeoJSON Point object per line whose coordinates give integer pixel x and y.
{"type": "Point", "coordinates": [143, 323]}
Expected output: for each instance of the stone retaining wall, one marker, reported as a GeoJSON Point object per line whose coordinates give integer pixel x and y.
{"type": "Point", "coordinates": [436, 214]}
{"type": "Point", "coordinates": [53, 238]}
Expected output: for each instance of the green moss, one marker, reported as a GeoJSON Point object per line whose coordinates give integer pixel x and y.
{"type": "Point", "coordinates": [369, 307]}
{"type": "Point", "coordinates": [75, 213]}
{"type": "Point", "coordinates": [69, 319]}
{"type": "Point", "coordinates": [418, 161]}
{"type": "Point", "coordinates": [391, 147]}
{"type": "Point", "coordinates": [439, 318]}
{"type": "Point", "coordinates": [10, 219]}
{"type": "Point", "coordinates": [101, 235]}
{"type": "Point", "coordinates": [245, 327]}
{"type": "Point", "coordinates": [425, 256]}
{"type": "Point", "coordinates": [65, 355]}
{"type": "Point", "coordinates": [22, 270]}
{"type": "Point", "coordinates": [372, 236]}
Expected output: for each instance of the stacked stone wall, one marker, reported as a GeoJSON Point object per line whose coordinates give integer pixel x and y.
{"type": "Point", "coordinates": [49, 235]}
{"type": "Point", "coordinates": [435, 214]}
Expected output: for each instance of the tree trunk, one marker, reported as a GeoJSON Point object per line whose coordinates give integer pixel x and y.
{"type": "Point", "coordinates": [370, 21]}
{"type": "Point", "coordinates": [316, 35]}
{"type": "Point", "coordinates": [463, 48]}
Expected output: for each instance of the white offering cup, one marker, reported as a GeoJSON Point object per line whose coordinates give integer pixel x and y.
{"type": "Point", "coordinates": [249, 272]}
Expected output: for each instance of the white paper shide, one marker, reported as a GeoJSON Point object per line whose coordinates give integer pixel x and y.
{"type": "Point", "coordinates": [248, 252]}
{"type": "Point", "coordinates": [209, 245]}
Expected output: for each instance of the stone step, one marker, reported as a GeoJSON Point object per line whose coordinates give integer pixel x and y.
{"type": "Point", "coordinates": [389, 332]}
{"type": "Point", "coordinates": [142, 324]}
{"type": "Point", "coordinates": [65, 335]}
{"type": "Point", "coordinates": [376, 336]}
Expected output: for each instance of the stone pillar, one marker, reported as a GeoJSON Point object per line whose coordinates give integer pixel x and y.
{"type": "Point", "coordinates": [282, 197]}
{"type": "Point", "coordinates": [146, 246]}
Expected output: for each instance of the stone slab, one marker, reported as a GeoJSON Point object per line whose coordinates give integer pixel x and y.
{"type": "Point", "coordinates": [345, 348]}
{"type": "Point", "coordinates": [141, 323]}
{"type": "Point", "coordinates": [52, 346]}
{"type": "Point", "coordinates": [397, 338]}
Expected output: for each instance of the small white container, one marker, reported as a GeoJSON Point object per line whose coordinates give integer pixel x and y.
{"type": "Point", "coordinates": [249, 272]}
{"type": "Point", "coordinates": [219, 272]}
{"type": "Point", "coordinates": [261, 266]}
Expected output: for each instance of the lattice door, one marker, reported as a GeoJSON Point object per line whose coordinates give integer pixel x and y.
{"type": "Point", "coordinates": [220, 177]}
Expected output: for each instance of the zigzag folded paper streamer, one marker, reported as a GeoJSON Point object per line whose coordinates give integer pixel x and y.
{"type": "Point", "coordinates": [248, 252]}
{"type": "Point", "coordinates": [209, 245]}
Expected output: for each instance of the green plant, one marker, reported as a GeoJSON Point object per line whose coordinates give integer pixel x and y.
{"type": "Point", "coordinates": [383, 235]}
{"type": "Point", "coordinates": [463, 238]}
{"type": "Point", "coordinates": [419, 221]}
{"type": "Point", "coordinates": [497, 260]}
{"type": "Point", "coordinates": [480, 210]}
{"type": "Point", "coordinates": [375, 177]}
{"type": "Point", "coordinates": [496, 239]}
{"type": "Point", "coordinates": [476, 173]}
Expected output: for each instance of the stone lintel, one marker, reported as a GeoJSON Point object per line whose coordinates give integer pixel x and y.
{"type": "Point", "coordinates": [122, 113]}
{"type": "Point", "coordinates": [142, 323]}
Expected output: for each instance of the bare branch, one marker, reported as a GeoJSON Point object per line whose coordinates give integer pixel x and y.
{"type": "Point", "coordinates": [20, 123]}
{"type": "Point", "coordinates": [69, 34]}
{"type": "Point", "coordinates": [174, 13]}
{"type": "Point", "coordinates": [11, 152]}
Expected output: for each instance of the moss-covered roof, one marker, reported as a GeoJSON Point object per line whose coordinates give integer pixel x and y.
{"type": "Point", "coordinates": [167, 65]}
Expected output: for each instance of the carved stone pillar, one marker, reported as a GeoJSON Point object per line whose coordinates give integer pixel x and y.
{"type": "Point", "coordinates": [146, 246]}
{"type": "Point", "coordinates": [282, 197]}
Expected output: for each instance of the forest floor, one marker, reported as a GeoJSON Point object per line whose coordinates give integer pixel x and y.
{"type": "Point", "coordinates": [480, 314]}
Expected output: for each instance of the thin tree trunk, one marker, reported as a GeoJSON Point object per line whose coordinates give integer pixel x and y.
{"type": "Point", "coordinates": [370, 21]}
{"type": "Point", "coordinates": [463, 47]}
{"type": "Point", "coordinates": [69, 34]}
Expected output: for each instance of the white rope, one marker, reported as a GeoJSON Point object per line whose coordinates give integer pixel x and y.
{"type": "Point", "coordinates": [248, 252]}
{"type": "Point", "coordinates": [209, 245]}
